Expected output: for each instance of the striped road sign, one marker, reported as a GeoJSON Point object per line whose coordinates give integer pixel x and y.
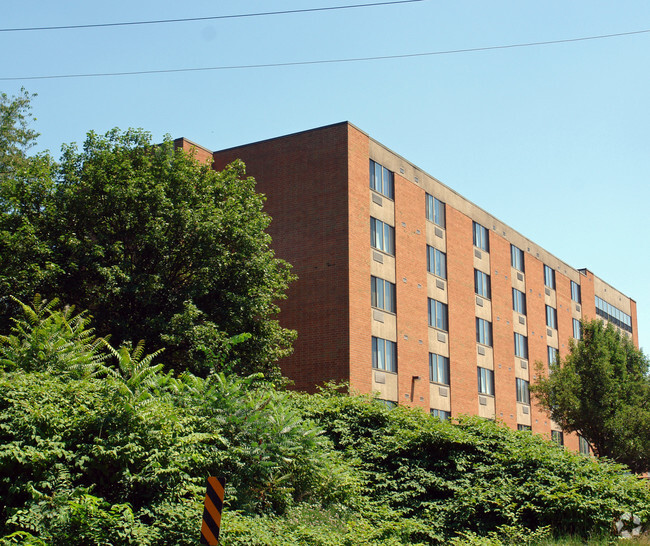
{"type": "Point", "coordinates": [212, 511]}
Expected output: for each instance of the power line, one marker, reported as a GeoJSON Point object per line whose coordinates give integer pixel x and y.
{"type": "Point", "coordinates": [328, 61]}
{"type": "Point", "coordinates": [212, 18]}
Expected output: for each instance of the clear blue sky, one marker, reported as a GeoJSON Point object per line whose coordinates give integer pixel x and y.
{"type": "Point", "coordinates": [554, 140]}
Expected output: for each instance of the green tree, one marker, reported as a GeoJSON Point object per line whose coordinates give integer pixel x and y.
{"type": "Point", "coordinates": [601, 390]}
{"type": "Point", "coordinates": [25, 184]}
{"type": "Point", "coordinates": [156, 245]}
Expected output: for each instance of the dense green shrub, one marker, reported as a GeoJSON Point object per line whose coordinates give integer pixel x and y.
{"type": "Point", "coordinates": [98, 445]}
{"type": "Point", "coordinates": [476, 475]}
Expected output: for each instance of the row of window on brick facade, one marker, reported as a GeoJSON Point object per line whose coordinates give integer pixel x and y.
{"type": "Point", "coordinates": [383, 235]}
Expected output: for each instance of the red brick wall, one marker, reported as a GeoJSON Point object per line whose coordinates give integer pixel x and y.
{"type": "Point", "coordinates": [411, 289]}
{"type": "Point", "coordinates": [564, 316]}
{"type": "Point", "coordinates": [305, 179]}
{"type": "Point", "coordinates": [359, 260]}
{"type": "Point", "coordinates": [503, 334]}
{"type": "Point", "coordinates": [537, 345]}
{"type": "Point", "coordinates": [588, 296]}
{"type": "Point", "coordinates": [200, 153]}
{"type": "Point", "coordinates": [462, 322]}
{"type": "Point", "coordinates": [635, 330]}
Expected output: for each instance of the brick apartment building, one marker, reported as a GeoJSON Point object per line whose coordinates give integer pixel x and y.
{"type": "Point", "coordinates": [410, 290]}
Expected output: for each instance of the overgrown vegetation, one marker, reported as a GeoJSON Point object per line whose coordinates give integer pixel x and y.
{"type": "Point", "coordinates": [100, 445]}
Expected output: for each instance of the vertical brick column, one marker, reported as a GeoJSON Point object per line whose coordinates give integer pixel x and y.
{"type": "Point", "coordinates": [462, 318]}
{"type": "Point", "coordinates": [411, 289]}
{"type": "Point", "coordinates": [537, 346]}
{"type": "Point", "coordinates": [502, 332]}
{"type": "Point", "coordinates": [588, 296]}
{"type": "Point", "coordinates": [358, 221]}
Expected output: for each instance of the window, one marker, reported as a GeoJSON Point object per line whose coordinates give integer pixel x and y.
{"type": "Point", "coordinates": [438, 315]}
{"type": "Point", "coordinates": [384, 354]}
{"type": "Point", "coordinates": [381, 180]}
{"type": "Point", "coordinates": [575, 292]}
{"type": "Point", "coordinates": [387, 403]}
{"type": "Point", "coordinates": [485, 381]}
{"type": "Point", "coordinates": [382, 294]}
{"type": "Point", "coordinates": [553, 355]}
{"type": "Point", "coordinates": [482, 283]}
{"type": "Point", "coordinates": [551, 317]}
{"type": "Point", "coordinates": [613, 315]}
{"type": "Point", "coordinates": [577, 329]}
{"type": "Point", "coordinates": [519, 301]}
{"type": "Point", "coordinates": [521, 346]}
{"type": "Point", "coordinates": [557, 436]}
{"type": "Point", "coordinates": [436, 262]}
{"type": "Point", "coordinates": [523, 395]}
{"type": "Point", "coordinates": [483, 332]}
{"type": "Point", "coordinates": [481, 237]}
{"type": "Point", "coordinates": [517, 258]}
{"type": "Point", "coordinates": [441, 414]}
{"type": "Point", "coordinates": [524, 427]}
{"type": "Point", "coordinates": [438, 369]}
{"type": "Point", "coordinates": [382, 236]}
{"type": "Point", "coordinates": [583, 445]}
{"type": "Point", "coordinates": [549, 277]}
{"type": "Point", "coordinates": [435, 211]}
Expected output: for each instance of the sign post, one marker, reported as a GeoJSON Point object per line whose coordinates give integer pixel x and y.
{"type": "Point", "coordinates": [212, 507]}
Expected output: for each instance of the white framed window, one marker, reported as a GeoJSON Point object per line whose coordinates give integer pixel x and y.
{"type": "Point", "coordinates": [485, 381]}
{"type": "Point", "coordinates": [481, 237]}
{"type": "Point", "coordinates": [382, 236]}
{"type": "Point", "coordinates": [384, 354]}
{"type": "Point", "coordinates": [438, 369]}
{"type": "Point", "coordinates": [438, 315]}
{"type": "Point", "coordinates": [483, 332]}
{"type": "Point", "coordinates": [382, 180]}
{"type": "Point", "coordinates": [435, 210]}
{"type": "Point", "coordinates": [436, 262]}
{"type": "Point", "coordinates": [382, 294]}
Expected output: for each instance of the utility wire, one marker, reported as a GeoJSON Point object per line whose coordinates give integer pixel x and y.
{"type": "Point", "coordinates": [213, 18]}
{"type": "Point", "coordinates": [328, 61]}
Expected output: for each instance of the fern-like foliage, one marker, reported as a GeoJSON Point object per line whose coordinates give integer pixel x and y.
{"type": "Point", "coordinates": [135, 376]}
{"type": "Point", "coordinates": [50, 339]}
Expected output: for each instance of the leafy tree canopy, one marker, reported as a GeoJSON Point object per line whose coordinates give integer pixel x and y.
{"type": "Point", "coordinates": [601, 390]}
{"type": "Point", "coordinates": [154, 244]}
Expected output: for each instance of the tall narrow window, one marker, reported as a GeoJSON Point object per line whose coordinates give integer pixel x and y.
{"type": "Point", "coordinates": [517, 258]}
{"type": "Point", "coordinates": [551, 317]}
{"type": "Point", "coordinates": [482, 283]}
{"type": "Point", "coordinates": [583, 445]}
{"type": "Point", "coordinates": [384, 354]}
{"type": "Point", "coordinates": [435, 211]}
{"type": "Point", "coordinates": [553, 355]}
{"type": "Point", "coordinates": [438, 315]}
{"type": "Point", "coordinates": [521, 346]}
{"type": "Point", "coordinates": [557, 436]}
{"type": "Point", "coordinates": [438, 369]}
{"type": "Point", "coordinates": [382, 236]}
{"type": "Point", "coordinates": [436, 262]}
{"type": "Point", "coordinates": [382, 294]}
{"type": "Point", "coordinates": [549, 277]}
{"type": "Point", "coordinates": [575, 292]}
{"type": "Point", "coordinates": [518, 301]}
{"type": "Point", "coordinates": [381, 180]}
{"type": "Point", "coordinates": [577, 329]}
{"type": "Point", "coordinates": [485, 381]}
{"type": "Point", "coordinates": [523, 395]}
{"type": "Point", "coordinates": [483, 332]}
{"type": "Point", "coordinates": [481, 237]}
